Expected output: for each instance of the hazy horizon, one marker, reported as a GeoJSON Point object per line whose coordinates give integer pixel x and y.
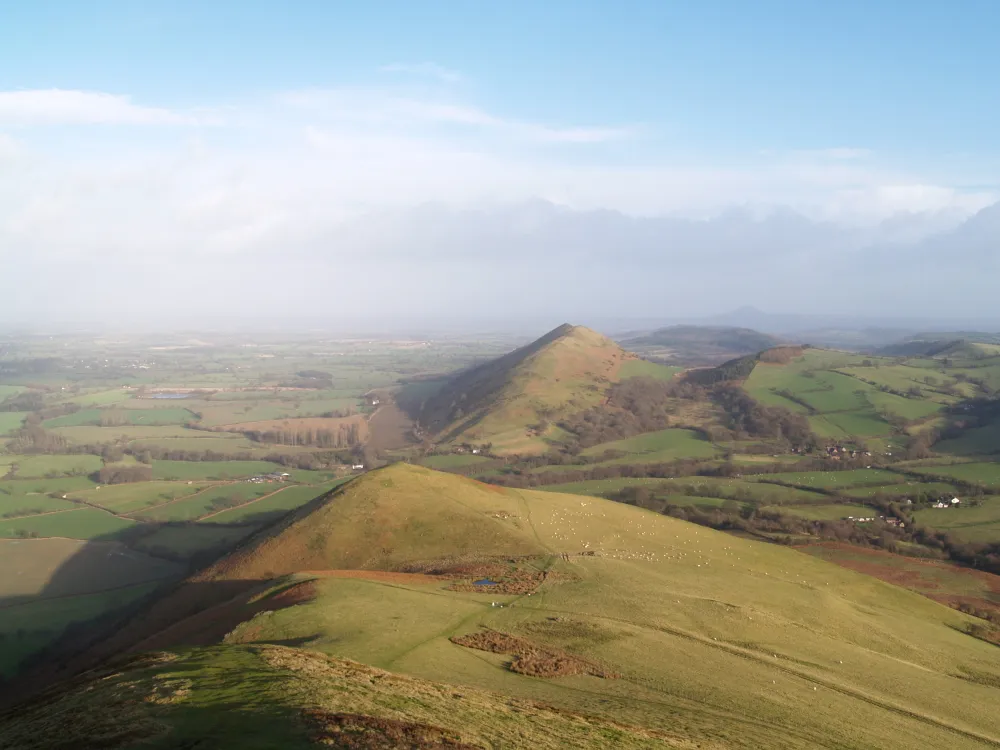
{"type": "Point", "coordinates": [187, 164]}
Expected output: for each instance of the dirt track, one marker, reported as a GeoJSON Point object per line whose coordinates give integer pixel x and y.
{"type": "Point", "coordinates": [383, 576]}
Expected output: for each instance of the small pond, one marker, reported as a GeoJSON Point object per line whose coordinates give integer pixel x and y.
{"type": "Point", "coordinates": [486, 582]}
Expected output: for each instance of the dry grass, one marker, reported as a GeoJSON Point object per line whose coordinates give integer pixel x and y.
{"type": "Point", "coordinates": [359, 732]}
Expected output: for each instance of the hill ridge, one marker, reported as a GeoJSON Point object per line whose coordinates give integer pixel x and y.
{"type": "Point", "coordinates": [510, 400]}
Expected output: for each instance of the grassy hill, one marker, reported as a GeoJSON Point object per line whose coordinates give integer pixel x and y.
{"type": "Point", "coordinates": [608, 611]}
{"type": "Point", "coordinates": [700, 345]}
{"type": "Point", "coordinates": [511, 401]}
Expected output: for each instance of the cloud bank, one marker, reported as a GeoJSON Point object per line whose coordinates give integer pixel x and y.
{"type": "Point", "coordinates": [107, 203]}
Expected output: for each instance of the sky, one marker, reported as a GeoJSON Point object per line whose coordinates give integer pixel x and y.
{"type": "Point", "coordinates": [169, 160]}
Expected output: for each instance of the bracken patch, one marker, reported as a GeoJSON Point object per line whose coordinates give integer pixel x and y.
{"type": "Point", "coordinates": [531, 659]}
{"type": "Point", "coordinates": [360, 732]}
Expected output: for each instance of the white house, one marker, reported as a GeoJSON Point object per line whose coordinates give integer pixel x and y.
{"type": "Point", "coordinates": [955, 501]}
{"type": "Point", "coordinates": [358, 466]}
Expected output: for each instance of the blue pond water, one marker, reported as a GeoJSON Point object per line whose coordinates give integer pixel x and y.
{"type": "Point", "coordinates": [169, 395]}
{"type": "Point", "coordinates": [485, 582]}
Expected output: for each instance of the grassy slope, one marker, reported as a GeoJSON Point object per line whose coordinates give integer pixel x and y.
{"type": "Point", "coordinates": [728, 642]}
{"type": "Point", "coordinates": [566, 371]}
{"type": "Point", "coordinates": [166, 701]}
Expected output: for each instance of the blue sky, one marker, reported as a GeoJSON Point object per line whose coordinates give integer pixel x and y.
{"type": "Point", "coordinates": [730, 76]}
{"type": "Point", "coordinates": [228, 128]}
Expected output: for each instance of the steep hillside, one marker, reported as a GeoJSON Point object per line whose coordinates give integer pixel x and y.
{"type": "Point", "coordinates": [700, 345]}
{"type": "Point", "coordinates": [511, 401]}
{"type": "Point", "coordinates": [591, 607]}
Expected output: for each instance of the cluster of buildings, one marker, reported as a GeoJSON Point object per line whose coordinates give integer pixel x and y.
{"type": "Point", "coordinates": [838, 452]}
{"type": "Point", "coordinates": [275, 477]}
{"type": "Point", "coordinates": [871, 519]}
{"type": "Point", "coordinates": [947, 503]}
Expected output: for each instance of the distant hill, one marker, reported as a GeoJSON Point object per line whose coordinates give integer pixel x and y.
{"type": "Point", "coordinates": [691, 345]}
{"type": "Point", "coordinates": [413, 608]}
{"type": "Point", "coordinates": [945, 344]}
{"type": "Point", "coordinates": [512, 401]}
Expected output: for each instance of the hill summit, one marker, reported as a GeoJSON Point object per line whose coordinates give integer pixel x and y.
{"type": "Point", "coordinates": [511, 401]}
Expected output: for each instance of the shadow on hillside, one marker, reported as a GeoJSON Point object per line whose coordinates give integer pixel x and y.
{"type": "Point", "coordinates": [145, 600]}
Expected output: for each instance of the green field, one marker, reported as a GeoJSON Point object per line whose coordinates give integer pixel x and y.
{"type": "Point", "coordinates": [30, 467]}
{"type": "Point", "coordinates": [909, 489]}
{"type": "Point", "coordinates": [211, 469]}
{"type": "Point", "coordinates": [652, 447]}
{"type": "Point", "coordinates": [861, 424]}
{"type": "Point", "coordinates": [980, 441]}
{"type": "Point", "coordinates": [85, 523]}
{"type": "Point", "coordinates": [643, 368]}
{"type": "Point", "coordinates": [164, 416]}
{"type": "Point", "coordinates": [26, 505]}
{"type": "Point", "coordinates": [150, 433]}
{"type": "Point", "coordinates": [190, 540]}
{"type": "Point", "coordinates": [968, 522]}
{"type": "Point", "coordinates": [30, 627]}
{"type": "Point", "coordinates": [832, 480]}
{"type": "Point", "coordinates": [284, 500]}
{"type": "Point", "coordinates": [987, 474]}
{"type": "Point", "coordinates": [202, 503]}
{"type": "Point", "coordinates": [452, 461]}
{"type": "Point", "coordinates": [829, 512]}
{"type": "Point", "coordinates": [11, 420]}
{"type": "Point", "coordinates": [135, 496]}
{"type": "Point", "coordinates": [42, 486]}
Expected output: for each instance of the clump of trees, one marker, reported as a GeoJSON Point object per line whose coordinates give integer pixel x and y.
{"type": "Point", "coordinates": [633, 406]}
{"type": "Point", "coordinates": [33, 438]}
{"type": "Point", "coordinates": [124, 473]}
{"type": "Point", "coordinates": [734, 370]}
{"type": "Point", "coordinates": [345, 436]}
{"type": "Point", "coordinates": [748, 418]}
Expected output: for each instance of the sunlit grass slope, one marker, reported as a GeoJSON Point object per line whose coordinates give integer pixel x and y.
{"type": "Point", "coordinates": [718, 640]}
{"type": "Point", "coordinates": [566, 371]}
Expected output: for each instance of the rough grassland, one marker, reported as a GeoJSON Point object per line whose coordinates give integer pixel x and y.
{"type": "Point", "coordinates": [731, 642]}
{"type": "Point", "coordinates": [296, 700]}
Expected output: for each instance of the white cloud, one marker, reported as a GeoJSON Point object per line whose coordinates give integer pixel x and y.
{"type": "Point", "coordinates": [66, 107]}
{"type": "Point", "coordinates": [400, 111]}
{"type": "Point", "coordinates": [9, 148]}
{"type": "Point", "coordinates": [292, 172]}
{"type": "Point", "coordinates": [425, 69]}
